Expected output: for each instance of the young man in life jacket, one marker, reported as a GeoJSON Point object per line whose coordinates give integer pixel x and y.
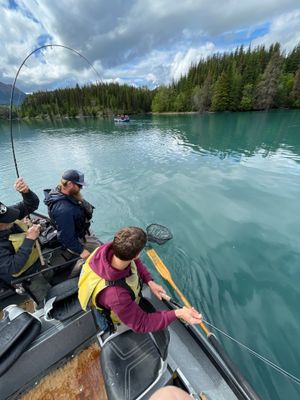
{"type": "Point", "coordinates": [110, 281]}
{"type": "Point", "coordinates": [71, 214]}
{"type": "Point", "coordinates": [18, 253]}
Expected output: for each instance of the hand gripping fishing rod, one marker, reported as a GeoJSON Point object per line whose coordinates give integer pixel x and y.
{"type": "Point", "coordinates": [160, 234]}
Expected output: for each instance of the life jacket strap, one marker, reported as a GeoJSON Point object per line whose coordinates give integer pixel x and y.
{"type": "Point", "coordinates": [122, 283]}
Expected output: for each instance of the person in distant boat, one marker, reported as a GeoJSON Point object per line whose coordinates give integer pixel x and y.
{"type": "Point", "coordinates": [71, 214]}
{"type": "Point", "coordinates": [18, 253]}
{"type": "Point", "coordinates": [110, 282]}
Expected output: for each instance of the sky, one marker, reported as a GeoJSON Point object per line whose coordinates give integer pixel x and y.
{"type": "Point", "coordinates": [138, 42]}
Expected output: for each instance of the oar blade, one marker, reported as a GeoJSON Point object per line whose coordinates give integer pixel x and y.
{"type": "Point", "coordinates": [159, 265]}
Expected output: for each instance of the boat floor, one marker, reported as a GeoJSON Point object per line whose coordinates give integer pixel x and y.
{"type": "Point", "coordinates": [80, 378]}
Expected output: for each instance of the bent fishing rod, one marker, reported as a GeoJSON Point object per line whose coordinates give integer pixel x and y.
{"type": "Point", "coordinates": [14, 85]}
{"type": "Point", "coordinates": [11, 107]}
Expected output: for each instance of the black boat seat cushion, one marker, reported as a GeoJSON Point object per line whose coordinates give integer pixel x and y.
{"type": "Point", "coordinates": [66, 299]}
{"type": "Point", "coordinates": [130, 363]}
{"type": "Point", "coordinates": [162, 337]}
{"type": "Point", "coordinates": [15, 337]}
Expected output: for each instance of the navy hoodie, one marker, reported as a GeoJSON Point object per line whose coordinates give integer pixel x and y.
{"type": "Point", "coordinates": [69, 217]}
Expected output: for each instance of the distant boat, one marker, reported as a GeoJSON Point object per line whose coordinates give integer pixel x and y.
{"type": "Point", "coordinates": [122, 119]}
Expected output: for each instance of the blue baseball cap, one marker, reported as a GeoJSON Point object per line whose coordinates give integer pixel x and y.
{"type": "Point", "coordinates": [74, 176]}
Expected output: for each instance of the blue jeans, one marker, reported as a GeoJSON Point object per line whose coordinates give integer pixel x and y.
{"type": "Point", "coordinates": [101, 320]}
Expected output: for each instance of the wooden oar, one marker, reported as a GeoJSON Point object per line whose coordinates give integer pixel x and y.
{"type": "Point", "coordinates": [165, 273]}
{"type": "Point", "coordinates": [243, 385]}
{"type": "Point", "coordinates": [39, 250]}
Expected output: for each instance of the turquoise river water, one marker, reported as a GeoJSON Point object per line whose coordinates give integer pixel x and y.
{"type": "Point", "coordinates": [228, 187]}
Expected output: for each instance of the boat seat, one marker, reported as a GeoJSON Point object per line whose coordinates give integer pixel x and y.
{"type": "Point", "coordinates": [62, 300]}
{"type": "Point", "coordinates": [132, 361]}
{"type": "Point", "coordinates": [6, 290]}
{"type": "Point", "coordinates": [18, 329]}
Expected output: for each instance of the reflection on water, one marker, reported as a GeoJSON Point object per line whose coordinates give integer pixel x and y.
{"type": "Point", "coordinates": [241, 134]}
{"type": "Point", "coordinates": [227, 185]}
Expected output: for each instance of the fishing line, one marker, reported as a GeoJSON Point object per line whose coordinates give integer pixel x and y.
{"type": "Point", "coordinates": [254, 353]}
{"type": "Point", "coordinates": [260, 357]}
{"type": "Point", "coordinates": [14, 85]}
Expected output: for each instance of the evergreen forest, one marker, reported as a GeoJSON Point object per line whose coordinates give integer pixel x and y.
{"type": "Point", "coordinates": [243, 80]}
{"type": "Point", "coordinates": [95, 100]}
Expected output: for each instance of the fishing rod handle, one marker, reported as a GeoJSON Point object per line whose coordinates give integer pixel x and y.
{"type": "Point", "coordinates": [38, 247]}
{"type": "Point", "coordinates": [170, 300]}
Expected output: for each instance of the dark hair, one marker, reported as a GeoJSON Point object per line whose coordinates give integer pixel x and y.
{"type": "Point", "coordinates": [129, 242]}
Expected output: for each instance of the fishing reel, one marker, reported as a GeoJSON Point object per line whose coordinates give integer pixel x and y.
{"type": "Point", "coordinates": [48, 233]}
{"type": "Point", "coordinates": [42, 222]}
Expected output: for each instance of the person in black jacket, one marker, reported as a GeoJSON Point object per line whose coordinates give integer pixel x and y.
{"type": "Point", "coordinates": [71, 214]}
{"type": "Point", "coordinates": [18, 254]}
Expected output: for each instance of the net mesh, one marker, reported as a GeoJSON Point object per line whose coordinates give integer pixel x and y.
{"type": "Point", "coordinates": [158, 233]}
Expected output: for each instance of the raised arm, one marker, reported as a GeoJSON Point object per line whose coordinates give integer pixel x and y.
{"type": "Point", "coordinates": [30, 201]}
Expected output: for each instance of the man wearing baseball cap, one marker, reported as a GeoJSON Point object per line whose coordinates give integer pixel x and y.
{"type": "Point", "coordinates": [71, 215]}
{"type": "Point", "coordinates": [18, 255]}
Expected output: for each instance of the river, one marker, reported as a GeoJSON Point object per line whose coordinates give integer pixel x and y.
{"type": "Point", "coordinates": [227, 185]}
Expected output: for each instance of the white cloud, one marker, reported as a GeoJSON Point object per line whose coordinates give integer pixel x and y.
{"type": "Point", "coordinates": [152, 79]}
{"type": "Point", "coordinates": [183, 60]}
{"type": "Point", "coordinates": [18, 35]}
{"type": "Point", "coordinates": [285, 29]}
{"type": "Point", "coordinates": [140, 41]}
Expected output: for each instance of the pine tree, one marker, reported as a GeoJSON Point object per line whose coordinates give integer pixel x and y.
{"type": "Point", "coordinates": [161, 100]}
{"type": "Point", "coordinates": [180, 102]}
{"type": "Point", "coordinates": [247, 98]}
{"type": "Point", "coordinates": [220, 99]}
{"type": "Point", "coordinates": [267, 86]}
{"type": "Point", "coordinates": [202, 97]}
{"type": "Point", "coordinates": [293, 60]}
{"type": "Point", "coordinates": [284, 89]}
{"type": "Point", "coordinates": [235, 90]}
{"type": "Point", "coordinates": [295, 95]}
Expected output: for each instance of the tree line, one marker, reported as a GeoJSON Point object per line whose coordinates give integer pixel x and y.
{"type": "Point", "coordinates": [94, 100]}
{"type": "Point", "coordinates": [243, 80]}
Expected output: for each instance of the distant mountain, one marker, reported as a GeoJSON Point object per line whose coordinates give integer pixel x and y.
{"type": "Point", "coordinates": [5, 91]}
